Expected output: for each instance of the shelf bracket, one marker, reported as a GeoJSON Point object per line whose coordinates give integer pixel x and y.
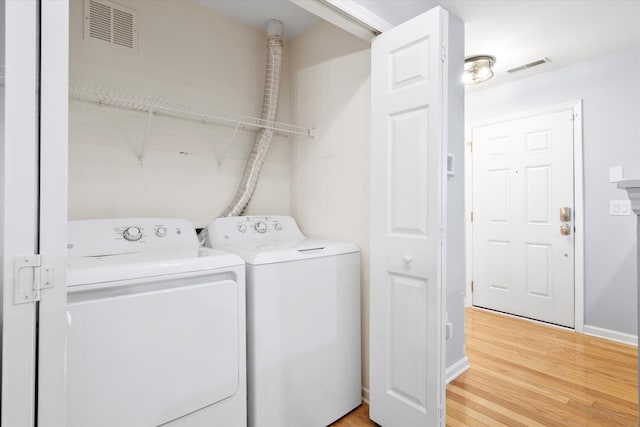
{"type": "Point", "coordinates": [145, 138]}
{"type": "Point", "coordinates": [220, 158]}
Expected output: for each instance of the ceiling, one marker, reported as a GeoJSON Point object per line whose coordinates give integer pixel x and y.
{"type": "Point", "coordinates": [516, 32]}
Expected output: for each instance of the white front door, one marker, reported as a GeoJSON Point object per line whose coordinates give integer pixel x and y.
{"type": "Point", "coordinates": [407, 149]}
{"type": "Point", "coordinates": [523, 247]}
{"type": "Point", "coordinates": [33, 153]}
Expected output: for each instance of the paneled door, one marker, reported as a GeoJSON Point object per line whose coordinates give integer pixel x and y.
{"type": "Point", "coordinates": [523, 212]}
{"type": "Point", "coordinates": [407, 193]}
{"type": "Point", "coordinates": [33, 170]}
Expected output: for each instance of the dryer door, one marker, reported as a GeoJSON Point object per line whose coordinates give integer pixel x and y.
{"type": "Point", "coordinates": [147, 353]}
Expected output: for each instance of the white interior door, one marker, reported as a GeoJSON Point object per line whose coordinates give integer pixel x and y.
{"type": "Point", "coordinates": [523, 248]}
{"type": "Point", "coordinates": [407, 347]}
{"type": "Point", "coordinates": [19, 210]}
{"type": "Point", "coordinates": [33, 171]}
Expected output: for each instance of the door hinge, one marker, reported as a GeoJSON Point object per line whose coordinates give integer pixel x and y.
{"type": "Point", "coordinates": [471, 216]}
{"type": "Point", "coordinates": [470, 146]}
{"type": "Point", "coordinates": [29, 278]}
{"type": "Point", "coordinates": [472, 286]}
{"type": "Point", "coordinates": [443, 53]}
{"type": "Point", "coordinates": [441, 414]}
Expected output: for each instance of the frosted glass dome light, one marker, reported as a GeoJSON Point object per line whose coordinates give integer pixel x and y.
{"type": "Point", "coordinates": [478, 69]}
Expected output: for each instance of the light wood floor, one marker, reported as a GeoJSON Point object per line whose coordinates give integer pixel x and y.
{"type": "Point", "coordinates": [527, 374]}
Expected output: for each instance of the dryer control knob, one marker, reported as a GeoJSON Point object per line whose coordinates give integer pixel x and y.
{"type": "Point", "coordinates": [132, 234]}
{"type": "Point", "coordinates": [260, 227]}
{"type": "Point", "coordinates": [242, 228]}
{"type": "Point", "coordinates": [277, 226]}
{"type": "Point", "coordinates": [161, 231]}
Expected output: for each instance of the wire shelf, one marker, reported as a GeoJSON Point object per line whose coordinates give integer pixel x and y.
{"type": "Point", "coordinates": [132, 101]}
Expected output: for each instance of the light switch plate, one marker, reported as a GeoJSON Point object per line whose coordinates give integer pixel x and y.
{"type": "Point", "coordinates": [619, 207]}
{"type": "Point", "coordinates": [616, 174]}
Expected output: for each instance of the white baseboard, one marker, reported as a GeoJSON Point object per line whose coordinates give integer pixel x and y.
{"type": "Point", "coordinates": [365, 395]}
{"type": "Point", "coordinates": [608, 334]}
{"type": "Point", "coordinates": [457, 369]}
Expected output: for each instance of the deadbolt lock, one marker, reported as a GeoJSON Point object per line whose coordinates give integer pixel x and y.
{"type": "Point", "coordinates": [565, 214]}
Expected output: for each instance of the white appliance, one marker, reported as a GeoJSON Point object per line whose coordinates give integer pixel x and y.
{"type": "Point", "coordinates": [303, 321]}
{"type": "Point", "coordinates": [156, 327]}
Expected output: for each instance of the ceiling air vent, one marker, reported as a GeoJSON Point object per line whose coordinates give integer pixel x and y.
{"type": "Point", "coordinates": [530, 65]}
{"type": "Point", "coordinates": [111, 23]}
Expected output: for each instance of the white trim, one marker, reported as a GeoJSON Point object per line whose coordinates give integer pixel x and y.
{"type": "Point", "coordinates": [347, 15]}
{"type": "Point", "coordinates": [361, 14]}
{"type": "Point", "coordinates": [468, 208]}
{"type": "Point", "coordinates": [571, 105]}
{"type": "Point", "coordinates": [54, 119]}
{"type": "Point", "coordinates": [610, 335]}
{"type": "Point", "coordinates": [365, 394]}
{"type": "Point", "coordinates": [456, 369]}
{"type": "Point", "coordinates": [578, 218]}
{"type": "Point", "coordinates": [578, 185]}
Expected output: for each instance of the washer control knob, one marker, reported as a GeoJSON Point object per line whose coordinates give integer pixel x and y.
{"type": "Point", "coordinates": [132, 234]}
{"type": "Point", "coordinates": [277, 226]}
{"type": "Point", "coordinates": [260, 227]}
{"type": "Point", "coordinates": [242, 228]}
{"type": "Point", "coordinates": [161, 231]}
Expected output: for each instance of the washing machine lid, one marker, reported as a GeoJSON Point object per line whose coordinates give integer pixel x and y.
{"type": "Point", "coordinates": [141, 265]}
{"type": "Point", "coordinates": [257, 253]}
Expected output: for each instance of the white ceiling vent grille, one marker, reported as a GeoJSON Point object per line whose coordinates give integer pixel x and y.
{"type": "Point", "coordinates": [111, 23]}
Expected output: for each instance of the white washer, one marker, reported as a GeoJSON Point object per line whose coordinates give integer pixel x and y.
{"type": "Point", "coordinates": [156, 327]}
{"type": "Point", "coordinates": [303, 321]}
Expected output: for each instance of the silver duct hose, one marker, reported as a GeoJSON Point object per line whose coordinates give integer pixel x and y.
{"type": "Point", "coordinates": [269, 112]}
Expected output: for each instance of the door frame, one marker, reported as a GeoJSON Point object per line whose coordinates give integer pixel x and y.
{"type": "Point", "coordinates": [578, 199]}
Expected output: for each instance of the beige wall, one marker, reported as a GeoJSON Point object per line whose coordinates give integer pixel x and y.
{"type": "Point", "coordinates": [195, 56]}
{"type": "Point", "coordinates": [330, 174]}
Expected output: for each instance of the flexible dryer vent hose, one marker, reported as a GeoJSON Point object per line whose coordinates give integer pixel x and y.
{"type": "Point", "coordinates": [269, 112]}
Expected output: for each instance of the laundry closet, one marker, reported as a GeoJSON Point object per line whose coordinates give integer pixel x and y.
{"type": "Point", "coordinates": [136, 164]}
{"type": "Point", "coordinates": [124, 163]}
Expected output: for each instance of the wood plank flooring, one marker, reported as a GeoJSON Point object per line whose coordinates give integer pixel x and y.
{"type": "Point", "coordinates": [527, 374]}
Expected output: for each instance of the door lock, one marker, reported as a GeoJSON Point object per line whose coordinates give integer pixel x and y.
{"type": "Point", "coordinates": [565, 229]}
{"type": "Point", "coordinates": [565, 214]}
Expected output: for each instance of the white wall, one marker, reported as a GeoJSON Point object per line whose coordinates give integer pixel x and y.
{"type": "Point", "coordinates": [330, 72]}
{"type": "Point", "coordinates": [611, 128]}
{"type": "Point", "coordinates": [195, 56]}
{"type": "Point", "coordinates": [455, 285]}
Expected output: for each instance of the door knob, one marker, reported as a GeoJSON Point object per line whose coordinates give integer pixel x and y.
{"type": "Point", "coordinates": [565, 229]}
{"type": "Point", "coordinates": [565, 214]}
{"type": "Point", "coordinates": [407, 261]}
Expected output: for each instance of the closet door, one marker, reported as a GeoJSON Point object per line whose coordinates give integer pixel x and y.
{"type": "Point", "coordinates": [33, 219]}
{"type": "Point", "coordinates": [53, 172]}
{"type": "Point", "coordinates": [19, 214]}
{"type": "Point", "coordinates": [407, 223]}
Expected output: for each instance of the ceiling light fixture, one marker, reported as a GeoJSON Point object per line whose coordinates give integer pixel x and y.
{"type": "Point", "coordinates": [478, 69]}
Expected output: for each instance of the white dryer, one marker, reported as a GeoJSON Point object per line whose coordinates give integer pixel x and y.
{"type": "Point", "coordinates": [156, 327]}
{"type": "Point", "coordinates": [303, 321]}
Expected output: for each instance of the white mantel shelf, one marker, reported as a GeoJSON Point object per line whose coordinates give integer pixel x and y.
{"type": "Point", "coordinates": [633, 188]}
